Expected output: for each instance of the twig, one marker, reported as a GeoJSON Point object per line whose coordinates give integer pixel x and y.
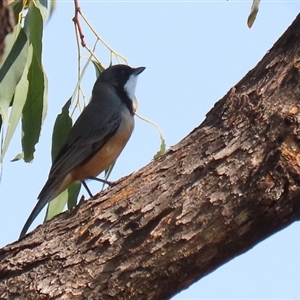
{"type": "Point", "coordinates": [77, 23]}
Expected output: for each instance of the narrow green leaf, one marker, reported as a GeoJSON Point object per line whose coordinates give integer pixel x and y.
{"type": "Point", "coordinates": [162, 148]}
{"type": "Point", "coordinates": [57, 205]}
{"type": "Point", "coordinates": [98, 68]}
{"type": "Point", "coordinates": [45, 98]}
{"type": "Point", "coordinates": [12, 68]}
{"type": "Point", "coordinates": [34, 110]}
{"type": "Point", "coordinates": [62, 126]}
{"type": "Point", "coordinates": [18, 104]}
{"type": "Point", "coordinates": [253, 13]}
{"type": "Point", "coordinates": [42, 5]}
{"type": "Point", "coordinates": [52, 7]}
{"type": "Point", "coordinates": [17, 40]}
{"type": "Point", "coordinates": [18, 157]}
{"type": "Point", "coordinates": [73, 192]}
{"type": "Point", "coordinates": [33, 27]}
{"type": "Point", "coordinates": [107, 172]}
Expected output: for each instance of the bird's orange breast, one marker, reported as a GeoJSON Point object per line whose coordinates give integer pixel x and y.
{"type": "Point", "coordinates": [108, 153]}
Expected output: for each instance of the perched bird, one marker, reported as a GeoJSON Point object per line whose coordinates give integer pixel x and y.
{"type": "Point", "coordinates": [98, 136]}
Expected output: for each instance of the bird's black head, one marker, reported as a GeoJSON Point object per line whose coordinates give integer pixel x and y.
{"type": "Point", "coordinates": [122, 77]}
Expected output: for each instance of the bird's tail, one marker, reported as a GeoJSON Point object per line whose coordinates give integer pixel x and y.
{"type": "Point", "coordinates": [42, 201]}
{"type": "Point", "coordinates": [53, 187]}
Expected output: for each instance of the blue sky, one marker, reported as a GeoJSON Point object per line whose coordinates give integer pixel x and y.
{"type": "Point", "coordinates": [194, 51]}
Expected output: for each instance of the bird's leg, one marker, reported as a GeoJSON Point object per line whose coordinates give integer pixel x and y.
{"type": "Point", "coordinates": [103, 181]}
{"type": "Point", "coordinates": [98, 179]}
{"type": "Point", "coordinates": [87, 188]}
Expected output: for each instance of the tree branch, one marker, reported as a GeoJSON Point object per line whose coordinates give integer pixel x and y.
{"type": "Point", "coordinates": [231, 183]}
{"type": "Point", "coordinates": [77, 24]}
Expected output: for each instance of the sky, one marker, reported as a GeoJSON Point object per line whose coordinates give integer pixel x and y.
{"type": "Point", "coordinates": [194, 52]}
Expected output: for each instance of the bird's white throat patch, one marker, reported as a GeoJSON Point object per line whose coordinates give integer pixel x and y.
{"type": "Point", "coordinates": [130, 85]}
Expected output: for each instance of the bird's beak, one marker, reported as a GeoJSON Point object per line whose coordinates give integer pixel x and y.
{"type": "Point", "coordinates": [138, 70]}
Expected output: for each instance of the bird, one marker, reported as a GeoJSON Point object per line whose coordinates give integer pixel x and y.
{"type": "Point", "coordinates": [97, 137]}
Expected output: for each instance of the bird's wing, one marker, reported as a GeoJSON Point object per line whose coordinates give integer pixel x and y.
{"type": "Point", "coordinates": [86, 138]}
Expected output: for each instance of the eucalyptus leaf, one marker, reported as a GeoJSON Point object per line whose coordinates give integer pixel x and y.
{"type": "Point", "coordinates": [57, 205]}
{"type": "Point", "coordinates": [52, 7]}
{"type": "Point", "coordinates": [34, 111]}
{"type": "Point", "coordinates": [62, 126]}
{"type": "Point", "coordinates": [42, 5]}
{"type": "Point", "coordinates": [253, 13]}
{"type": "Point", "coordinates": [18, 104]}
{"type": "Point", "coordinates": [162, 148]}
{"type": "Point", "coordinates": [12, 68]}
{"type": "Point", "coordinates": [73, 192]}
{"type": "Point", "coordinates": [33, 27]}
{"type": "Point", "coordinates": [98, 68]}
{"type": "Point", "coordinates": [18, 157]}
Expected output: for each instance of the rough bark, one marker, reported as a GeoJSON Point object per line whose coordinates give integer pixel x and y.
{"type": "Point", "coordinates": [231, 183]}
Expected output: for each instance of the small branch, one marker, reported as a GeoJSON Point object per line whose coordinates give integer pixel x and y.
{"type": "Point", "coordinates": [77, 23]}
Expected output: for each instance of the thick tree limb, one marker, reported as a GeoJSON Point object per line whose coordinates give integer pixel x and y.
{"type": "Point", "coordinates": [231, 183]}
